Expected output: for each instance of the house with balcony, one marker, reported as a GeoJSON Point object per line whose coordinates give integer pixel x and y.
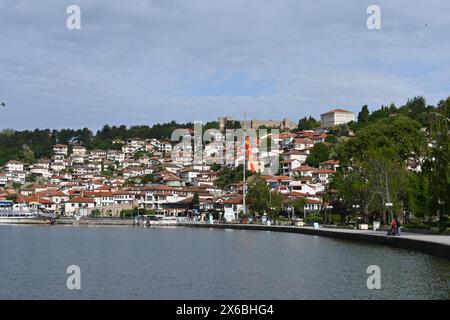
{"type": "Point", "coordinates": [323, 175]}
{"type": "Point", "coordinates": [60, 149]}
{"type": "Point", "coordinates": [287, 166]}
{"type": "Point", "coordinates": [78, 206]}
{"type": "Point", "coordinates": [14, 166]}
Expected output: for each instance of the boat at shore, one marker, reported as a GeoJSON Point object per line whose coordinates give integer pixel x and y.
{"type": "Point", "coordinates": [164, 221]}
{"type": "Point", "coordinates": [155, 220]}
{"type": "Point", "coordinates": [11, 213]}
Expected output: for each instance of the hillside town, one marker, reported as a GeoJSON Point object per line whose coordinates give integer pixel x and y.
{"type": "Point", "coordinates": [145, 175]}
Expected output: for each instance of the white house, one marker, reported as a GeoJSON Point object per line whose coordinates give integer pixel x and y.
{"type": "Point", "coordinates": [329, 164]}
{"type": "Point", "coordinates": [323, 175]}
{"type": "Point", "coordinates": [3, 180]}
{"type": "Point", "coordinates": [303, 143]}
{"type": "Point", "coordinates": [286, 166]}
{"type": "Point", "coordinates": [123, 197]}
{"type": "Point", "coordinates": [60, 149]}
{"type": "Point", "coordinates": [232, 207]}
{"type": "Point", "coordinates": [77, 205]}
{"type": "Point", "coordinates": [336, 117]}
{"type": "Point", "coordinates": [14, 166]}
{"type": "Point", "coordinates": [165, 146]}
{"type": "Point", "coordinates": [79, 151]}
{"type": "Point", "coordinates": [304, 171]}
{"type": "Point", "coordinates": [300, 155]}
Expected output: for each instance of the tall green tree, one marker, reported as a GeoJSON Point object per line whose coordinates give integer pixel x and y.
{"type": "Point", "coordinates": [437, 165]}
{"type": "Point", "coordinates": [307, 123]}
{"type": "Point", "coordinates": [258, 196]}
{"type": "Point", "coordinates": [374, 165]}
{"type": "Point", "coordinates": [299, 205]}
{"type": "Point", "coordinates": [196, 200]}
{"type": "Point", "coordinates": [318, 153]}
{"type": "Point", "coordinates": [363, 115]}
{"type": "Point", "coordinates": [28, 154]}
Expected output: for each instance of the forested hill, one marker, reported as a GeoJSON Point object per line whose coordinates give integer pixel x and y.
{"type": "Point", "coordinates": [29, 145]}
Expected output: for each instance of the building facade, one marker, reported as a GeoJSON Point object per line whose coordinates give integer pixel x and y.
{"type": "Point", "coordinates": [336, 117]}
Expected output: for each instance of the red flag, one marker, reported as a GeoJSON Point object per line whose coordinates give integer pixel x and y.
{"type": "Point", "coordinates": [248, 152]}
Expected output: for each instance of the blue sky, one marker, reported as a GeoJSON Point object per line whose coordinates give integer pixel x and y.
{"type": "Point", "coordinates": [148, 61]}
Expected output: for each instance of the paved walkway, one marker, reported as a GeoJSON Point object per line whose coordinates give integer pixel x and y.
{"type": "Point", "coordinates": [442, 239]}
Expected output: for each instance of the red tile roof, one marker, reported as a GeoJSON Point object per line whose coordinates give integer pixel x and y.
{"type": "Point", "coordinates": [80, 200]}
{"type": "Point", "coordinates": [337, 111]}
{"type": "Point", "coordinates": [234, 200]}
{"type": "Point", "coordinates": [324, 171]}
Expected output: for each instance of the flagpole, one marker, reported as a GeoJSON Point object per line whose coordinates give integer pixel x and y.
{"type": "Point", "coordinates": [245, 156]}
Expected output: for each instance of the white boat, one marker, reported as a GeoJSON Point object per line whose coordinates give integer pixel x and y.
{"type": "Point", "coordinates": [164, 221]}
{"type": "Point", "coordinates": [11, 213]}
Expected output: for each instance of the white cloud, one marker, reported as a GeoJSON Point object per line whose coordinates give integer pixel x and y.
{"type": "Point", "coordinates": [131, 60]}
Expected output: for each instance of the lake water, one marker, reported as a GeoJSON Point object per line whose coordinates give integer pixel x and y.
{"type": "Point", "coordinates": [196, 263]}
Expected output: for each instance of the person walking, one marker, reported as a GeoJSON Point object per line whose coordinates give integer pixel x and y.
{"type": "Point", "coordinates": [393, 227]}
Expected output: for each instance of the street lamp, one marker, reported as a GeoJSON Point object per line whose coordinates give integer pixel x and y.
{"type": "Point", "coordinates": [328, 213]}
{"type": "Point", "coordinates": [389, 205]}
{"type": "Point", "coordinates": [356, 208]}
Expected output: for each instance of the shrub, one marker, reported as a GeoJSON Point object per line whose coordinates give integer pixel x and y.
{"type": "Point", "coordinates": [335, 218]}
{"type": "Point", "coordinates": [418, 226]}
{"type": "Point", "coordinates": [314, 217]}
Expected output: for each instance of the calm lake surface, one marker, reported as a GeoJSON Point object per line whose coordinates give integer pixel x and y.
{"type": "Point", "coordinates": [195, 263]}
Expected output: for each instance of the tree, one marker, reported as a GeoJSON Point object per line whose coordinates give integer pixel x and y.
{"type": "Point", "coordinates": [195, 200]}
{"type": "Point", "coordinates": [31, 177]}
{"type": "Point", "coordinates": [353, 187]}
{"type": "Point", "coordinates": [232, 124]}
{"type": "Point", "coordinates": [386, 179]}
{"type": "Point", "coordinates": [258, 196]}
{"type": "Point", "coordinates": [341, 130]}
{"type": "Point", "coordinates": [373, 165]}
{"type": "Point", "coordinates": [16, 186]}
{"type": "Point", "coordinates": [211, 125]}
{"type": "Point", "coordinates": [307, 123]}
{"type": "Point", "coordinates": [398, 136]}
{"type": "Point", "coordinates": [12, 197]}
{"type": "Point", "coordinates": [299, 205]}
{"type": "Point", "coordinates": [437, 165]}
{"type": "Point", "coordinates": [148, 178]}
{"type": "Point", "coordinates": [276, 203]}
{"type": "Point", "coordinates": [332, 139]}
{"type": "Point", "coordinates": [363, 115]}
{"type": "Point", "coordinates": [28, 154]}
{"type": "Point", "coordinates": [228, 176]}
{"type": "Point", "coordinates": [263, 200]}
{"type": "Point", "coordinates": [319, 153]}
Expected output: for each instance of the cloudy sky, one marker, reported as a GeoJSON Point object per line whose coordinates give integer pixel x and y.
{"type": "Point", "coordinates": [149, 61]}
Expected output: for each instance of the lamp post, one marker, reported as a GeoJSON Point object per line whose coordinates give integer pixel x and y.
{"type": "Point", "coordinates": [440, 215]}
{"type": "Point", "coordinates": [356, 209]}
{"type": "Point", "coordinates": [389, 205]}
{"type": "Point", "coordinates": [328, 208]}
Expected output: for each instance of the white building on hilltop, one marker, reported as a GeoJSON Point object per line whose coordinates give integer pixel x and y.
{"type": "Point", "coordinates": [336, 117]}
